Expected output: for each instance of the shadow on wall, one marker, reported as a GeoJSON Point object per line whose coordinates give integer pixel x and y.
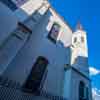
{"type": "Point", "coordinates": [82, 64]}
{"type": "Point", "coordinates": [15, 67]}
{"type": "Point", "coordinates": [8, 26]}
{"type": "Point", "coordinates": [81, 61]}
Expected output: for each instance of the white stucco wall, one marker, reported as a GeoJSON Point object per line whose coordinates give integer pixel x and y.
{"type": "Point", "coordinates": [39, 45]}
{"type": "Point", "coordinates": [58, 82]}
{"type": "Point", "coordinates": [8, 22]}
{"type": "Point", "coordinates": [8, 25]}
{"type": "Point", "coordinates": [66, 32]}
{"type": "Point", "coordinates": [67, 82]}
{"type": "Point", "coordinates": [74, 85]}
{"type": "Point", "coordinates": [29, 8]}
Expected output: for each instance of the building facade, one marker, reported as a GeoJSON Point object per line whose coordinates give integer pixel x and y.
{"type": "Point", "coordinates": [37, 52]}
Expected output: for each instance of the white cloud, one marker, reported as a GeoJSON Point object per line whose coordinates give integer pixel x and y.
{"type": "Point", "coordinates": [96, 94]}
{"type": "Point", "coordinates": [94, 71]}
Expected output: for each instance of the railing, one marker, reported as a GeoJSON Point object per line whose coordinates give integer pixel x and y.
{"type": "Point", "coordinates": [5, 82]}
{"type": "Point", "coordinates": [51, 96]}
{"type": "Point", "coordinates": [14, 94]}
{"type": "Point", "coordinates": [10, 90]}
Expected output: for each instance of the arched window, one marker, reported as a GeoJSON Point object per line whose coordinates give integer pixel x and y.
{"type": "Point", "coordinates": [81, 91]}
{"type": "Point", "coordinates": [35, 77]}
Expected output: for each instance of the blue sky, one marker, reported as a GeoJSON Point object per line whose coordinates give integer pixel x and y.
{"type": "Point", "coordinates": [88, 12]}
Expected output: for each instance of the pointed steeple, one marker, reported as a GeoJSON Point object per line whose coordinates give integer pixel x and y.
{"type": "Point", "coordinates": [79, 26]}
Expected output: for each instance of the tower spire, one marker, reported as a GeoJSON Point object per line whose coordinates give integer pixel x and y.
{"type": "Point", "coordinates": [79, 26]}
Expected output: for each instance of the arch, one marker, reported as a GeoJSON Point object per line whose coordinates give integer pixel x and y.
{"type": "Point", "coordinates": [35, 77]}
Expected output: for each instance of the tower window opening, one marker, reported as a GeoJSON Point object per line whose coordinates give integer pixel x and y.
{"type": "Point", "coordinates": [75, 40]}
{"type": "Point", "coordinates": [82, 39]}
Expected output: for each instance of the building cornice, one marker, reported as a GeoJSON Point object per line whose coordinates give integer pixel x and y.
{"type": "Point", "coordinates": [66, 23]}
{"type": "Point", "coordinates": [76, 70]}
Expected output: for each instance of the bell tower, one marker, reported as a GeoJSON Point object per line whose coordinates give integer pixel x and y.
{"type": "Point", "coordinates": [77, 84]}
{"type": "Point", "coordinates": [79, 50]}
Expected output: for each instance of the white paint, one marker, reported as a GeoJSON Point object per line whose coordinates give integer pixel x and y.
{"type": "Point", "coordinates": [30, 6]}
{"type": "Point", "coordinates": [65, 34]}
{"type": "Point", "coordinates": [39, 45]}
{"type": "Point", "coordinates": [79, 58]}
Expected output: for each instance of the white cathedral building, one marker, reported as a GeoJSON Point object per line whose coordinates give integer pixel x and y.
{"type": "Point", "coordinates": [41, 58]}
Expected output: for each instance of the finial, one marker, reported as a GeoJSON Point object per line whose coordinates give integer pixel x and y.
{"type": "Point", "coordinates": [79, 26]}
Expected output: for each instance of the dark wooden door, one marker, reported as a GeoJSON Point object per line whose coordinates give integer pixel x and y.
{"type": "Point", "coordinates": [34, 79]}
